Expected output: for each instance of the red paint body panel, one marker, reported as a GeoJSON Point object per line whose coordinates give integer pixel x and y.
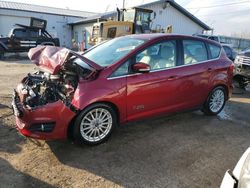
{"type": "Point", "coordinates": [140, 95]}
{"type": "Point", "coordinates": [102, 90]}
{"type": "Point", "coordinates": [54, 112]}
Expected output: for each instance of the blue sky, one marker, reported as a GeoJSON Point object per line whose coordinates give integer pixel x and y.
{"type": "Point", "coordinates": [225, 16]}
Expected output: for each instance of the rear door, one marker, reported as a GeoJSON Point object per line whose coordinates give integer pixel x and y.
{"type": "Point", "coordinates": [195, 72]}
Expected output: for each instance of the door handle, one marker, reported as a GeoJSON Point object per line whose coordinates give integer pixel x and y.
{"type": "Point", "coordinates": [209, 69]}
{"type": "Point", "coordinates": [172, 78]}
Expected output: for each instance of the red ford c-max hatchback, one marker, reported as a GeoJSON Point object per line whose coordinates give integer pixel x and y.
{"type": "Point", "coordinates": [124, 79]}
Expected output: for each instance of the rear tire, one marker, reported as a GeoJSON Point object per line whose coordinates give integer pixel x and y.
{"type": "Point", "coordinates": [94, 124]}
{"type": "Point", "coordinates": [215, 101]}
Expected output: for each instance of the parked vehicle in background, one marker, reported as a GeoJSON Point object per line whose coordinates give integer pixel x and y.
{"type": "Point", "coordinates": [236, 43]}
{"type": "Point", "coordinates": [129, 21]}
{"type": "Point", "coordinates": [210, 37]}
{"type": "Point", "coordinates": [230, 52]}
{"type": "Point", "coordinates": [246, 49]}
{"type": "Point", "coordinates": [124, 79]}
{"type": "Point", "coordinates": [242, 68]}
{"type": "Point", "coordinates": [23, 38]}
{"type": "Point", "coordinates": [240, 176]}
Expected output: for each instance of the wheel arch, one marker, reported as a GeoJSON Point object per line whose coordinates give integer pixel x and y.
{"type": "Point", "coordinates": [221, 85]}
{"type": "Point", "coordinates": [112, 105]}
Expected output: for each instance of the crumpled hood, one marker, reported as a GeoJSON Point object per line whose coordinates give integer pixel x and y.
{"type": "Point", "coordinates": [48, 58]}
{"type": "Point", "coordinates": [51, 58]}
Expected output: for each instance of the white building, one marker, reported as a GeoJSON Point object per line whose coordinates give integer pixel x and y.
{"type": "Point", "coordinates": [67, 24]}
{"type": "Point", "coordinates": [12, 13]}
{"type": "Point", "coordinates": [167, 12]}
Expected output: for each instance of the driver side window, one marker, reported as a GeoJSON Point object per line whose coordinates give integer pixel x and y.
{"type": "Point", "coordinates": [159, 56]}
{"type": "Point", "coordinates": [121, 71]}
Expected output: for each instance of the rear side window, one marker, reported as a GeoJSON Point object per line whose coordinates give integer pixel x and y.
{"type": "Point", "coordinates": [194, 52]}
{"type": "Point", "coordinates": [215, 51]}
{"type": "Point", "coordinates": [228, 51]}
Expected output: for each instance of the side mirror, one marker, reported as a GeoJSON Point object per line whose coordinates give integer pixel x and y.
{"type": "Point", "coordinates": [12, 35]}
{"type": "Point", "coordinates": [141, 67]}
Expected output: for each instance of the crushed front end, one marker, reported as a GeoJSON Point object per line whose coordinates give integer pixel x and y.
{"type": "Point", "coordinates": [42, 101]}
{"type": "Point", "coordinates": [41, 112]}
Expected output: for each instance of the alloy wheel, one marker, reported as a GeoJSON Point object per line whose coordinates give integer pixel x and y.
{"type": "Point", "coordinates": [217, 101]}
{"type": "Point", "coordinates": [96, 124]}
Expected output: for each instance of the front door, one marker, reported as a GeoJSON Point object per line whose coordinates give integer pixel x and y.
{"type": "Point", "coordinates": [154, 92]}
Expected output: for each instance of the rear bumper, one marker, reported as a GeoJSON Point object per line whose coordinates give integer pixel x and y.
{"type": "Point", "coordinates": [48, 122]}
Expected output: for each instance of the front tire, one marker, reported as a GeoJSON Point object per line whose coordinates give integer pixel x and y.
{"type": "Point", "coordinates": [215, 101]}
{"type": "Point", "coordinates": [95, 124]}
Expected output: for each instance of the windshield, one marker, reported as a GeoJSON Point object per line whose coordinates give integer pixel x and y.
{"type": "Point", "coordinates": [129, 15]}
{"type": "Point", "coordinates": [111, 51]}
{"type": "Point", "coordinates": [143, 17]}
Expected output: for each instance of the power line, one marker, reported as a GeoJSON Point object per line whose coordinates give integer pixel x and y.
{"type": "Point", "coordinates": [226, 13]}
{"type": "Point", "coordinates": [220, 5]}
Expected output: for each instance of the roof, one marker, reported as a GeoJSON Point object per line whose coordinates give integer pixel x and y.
{"type": "Point", "coordinates": [44, 9]}
{"type": "Point", "coordinates": [182, 10]}
{"type": "Point", "coordinates": [91, 19]}
{"type": "Point", "coordinates": [152, 36]}
{"type": "Point", "coordinates": [172, 3]}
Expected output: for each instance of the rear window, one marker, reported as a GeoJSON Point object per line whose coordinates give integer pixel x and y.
{"type": "Point", "coordinates": [194, 51]}
{"type": "Point", "coordinates": [215, 51]}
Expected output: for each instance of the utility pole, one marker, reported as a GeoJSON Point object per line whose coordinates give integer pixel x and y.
{"type": "Point", "coordinates": [123, 5]}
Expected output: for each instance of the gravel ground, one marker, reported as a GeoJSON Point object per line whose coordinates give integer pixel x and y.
{"type": "Point", "coordinates": [184, 150]}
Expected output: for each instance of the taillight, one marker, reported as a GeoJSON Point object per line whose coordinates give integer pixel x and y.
{"type": "Point", "coordinates": [231, 68]}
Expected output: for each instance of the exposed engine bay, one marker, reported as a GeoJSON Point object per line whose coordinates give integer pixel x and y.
{"type": "Point", "coordinates": [42, 87]}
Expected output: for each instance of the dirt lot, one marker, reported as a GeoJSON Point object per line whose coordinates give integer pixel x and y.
{"type": "Point", "coordinates": [185, 150]}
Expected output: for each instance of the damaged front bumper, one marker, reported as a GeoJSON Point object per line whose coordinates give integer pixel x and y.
{"type": "Point", "coordinates": [47, 122]}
